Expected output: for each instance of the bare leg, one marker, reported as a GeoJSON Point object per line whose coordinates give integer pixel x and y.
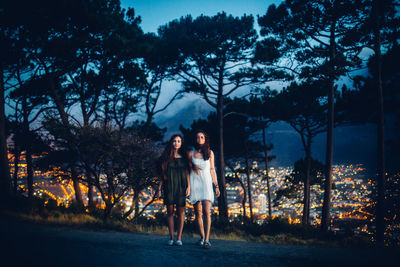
{"type": "Point", "coordinates": [198, 209]}
{"type": "Point", "coordinates": [207, 217]}
{"type": "Point", "coordinates": [181, 220]}
{"type": "Point", "coordinates": [170, 219]}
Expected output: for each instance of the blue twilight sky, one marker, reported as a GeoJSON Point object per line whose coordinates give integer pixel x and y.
{"type": "Point", "coordinates": [155, 13]}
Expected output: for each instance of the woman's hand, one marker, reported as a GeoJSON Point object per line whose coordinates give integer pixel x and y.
{"type": "Point", "coordinates": [188, 191]}
{"type": "Point", "coordinates": [217, 193]}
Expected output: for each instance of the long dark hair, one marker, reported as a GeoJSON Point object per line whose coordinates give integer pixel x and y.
{"type": "Point", "coordinates": [168, 155]}
{"type": "Point", "coordinates": [205, 148]}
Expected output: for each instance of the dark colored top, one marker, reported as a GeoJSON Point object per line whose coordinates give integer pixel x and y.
{"type": "Point", "coordinates": [176, 183]}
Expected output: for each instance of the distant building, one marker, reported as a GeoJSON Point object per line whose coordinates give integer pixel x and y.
{"type": "Point", "coordinates": [232, 195]}
{"type": "Point", "coordinates": [255, 165]}
{"type": "Point", "coordinates": [262, 199]}
{"type": "Point", "coordinates": [237, 166]}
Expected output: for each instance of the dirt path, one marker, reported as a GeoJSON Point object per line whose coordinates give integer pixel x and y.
{"type": "Point", "coordinates": [33, 245]}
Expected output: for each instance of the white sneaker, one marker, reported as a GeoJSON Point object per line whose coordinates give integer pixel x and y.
{"type": "Point", "coordinates": [178, 242]}
{"type": "Point", "coordinates": [170, 242]}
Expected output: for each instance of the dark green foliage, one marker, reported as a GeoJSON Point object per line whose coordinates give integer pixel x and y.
{"type": "Point", "coordinates": [359, 104]}
{"type": "Point", "coordinates": [304, 29]}
{"type": "Point", "coordinates": [303, 106]}
{"type": "Point", "coordinates": [22, 204]}
{"type": "Point", "coordinates": [150, 131]}
{"type": "Point", "coordinates": [297, 177]}
{"type": "Point", "coordinates": [158, 62]}
{"type": "Point", "coordinates": [299, 171]}
{"type": "Point", "coordinates": [384, 14]}
{"type": "Point", "coordinates": [221, 35]}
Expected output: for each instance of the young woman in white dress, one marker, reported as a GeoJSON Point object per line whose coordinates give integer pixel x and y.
{"type": "Point", "coordinates": [201, 183]}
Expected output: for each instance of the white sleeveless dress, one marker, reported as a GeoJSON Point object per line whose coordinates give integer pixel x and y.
{"type": "Point", "coordinates": [201, 182]}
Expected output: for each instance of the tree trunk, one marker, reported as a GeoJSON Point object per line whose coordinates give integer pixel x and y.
{"type": "Point", "coordinates": [248, 180]}
{"type": "Point", "coordinates": [145, 206]}
{"type": "Point", "coordinates": [222, 200]}
{"type": "Point", "coordinates": [328, 165]}
{"type": "Point", "coordinates": [58, 102]}
{"type": "Point", "coordinates": [306, 202]}
{"type": "Point", "coordinates": [77, 188]}
{"type": "Point", "coordinates": [17, 154]}
{"type": "Point", "coordinates": [147, 124]}
{"type": "Point", "coordinates": [129, 212]}
{"type": "Point", "coordinates": [244, 199]}
{"type": "Point", "coordinates": [325, 221]}
{"type": "Point", "coordinates": [237, 178]}
{"type": "Point", "coordinates": [28, 149]}
{"type": "Point", "coordinates": [91, 204]}
{"type": "Point", "coordinates": [136, 204]}
{"type": "Point", "coordinates": [107, 210]}
{"type": "Point", "coordinates": [267, 172]}
{"type": "Point", "coordinates": [29, 169]}
{"type": "Point", "coordinates": [5, 179]}
{"type": "Point", "coordinates": [380, 205]}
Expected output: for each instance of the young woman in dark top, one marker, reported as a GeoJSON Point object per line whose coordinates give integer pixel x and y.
{"type": "Point", "coordinates": [175, 168]}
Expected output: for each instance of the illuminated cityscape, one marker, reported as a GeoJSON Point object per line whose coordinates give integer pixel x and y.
{"type": "Point", "coordinates": [350, 195]}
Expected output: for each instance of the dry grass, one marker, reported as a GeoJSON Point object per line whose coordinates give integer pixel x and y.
{"type": "Point", "coordinates": [157, 230]}
{"type": "Point", "coordinates": [91, 222]}
{"type": "Point", "coordinates": [76, 220]}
